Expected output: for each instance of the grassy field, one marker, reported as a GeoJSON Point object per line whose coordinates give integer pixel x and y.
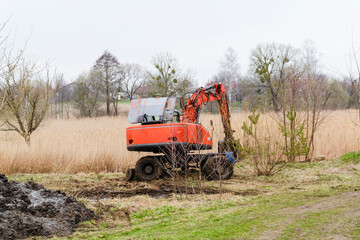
{"type": "Point", "coordinates": [305, 201]}
{"type": "Point", "coordinates": [98, 145]}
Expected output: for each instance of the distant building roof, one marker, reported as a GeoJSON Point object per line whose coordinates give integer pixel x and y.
{"type": "Point", "coordinates": [143, 90]}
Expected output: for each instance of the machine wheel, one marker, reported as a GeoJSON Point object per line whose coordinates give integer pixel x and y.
{"type": "Point", "coordinates": [147, 169]}
{"type": "Point", "coordinates": [217, 167]}
{"type": "Point", "coordinates": [130, 174]}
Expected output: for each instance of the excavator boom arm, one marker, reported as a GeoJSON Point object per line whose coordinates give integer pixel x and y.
{"type": "Point", "coordinates": [216, 92]}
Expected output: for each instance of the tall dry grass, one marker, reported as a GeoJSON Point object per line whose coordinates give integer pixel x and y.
{"type": "Point", "coordinates": [99, 145]}
{"type": "Point", "coordinates": [69, 146]}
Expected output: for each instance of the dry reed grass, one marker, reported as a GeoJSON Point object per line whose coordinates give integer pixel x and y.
{"type": "Point", "coordinates": [98, 145]}
{"type": "Point", "coordinates": [69, 146]}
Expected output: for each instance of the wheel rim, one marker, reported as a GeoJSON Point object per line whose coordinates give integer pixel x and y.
{"type": "Point", "coordinates": [148, 169]}
{"type": "Point", "coordinates": [221, 170]}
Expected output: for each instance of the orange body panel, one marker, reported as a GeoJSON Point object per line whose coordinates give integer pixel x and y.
{"type": "Point", "coordinates": [155, 136]}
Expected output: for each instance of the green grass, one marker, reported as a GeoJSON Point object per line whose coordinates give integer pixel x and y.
{"type": "Point", "coordinates": [310, 225]}
{"type": "Point", "coordinates": [242, 218]}
{"type": "Point", "coordinates": [357, 231]}
{"type": "Point", "coordinates": [351, 157]}
{"type": "Point", "coordinates": [303, 165]}
{"type": "Point", "coordinates": [124, 101]}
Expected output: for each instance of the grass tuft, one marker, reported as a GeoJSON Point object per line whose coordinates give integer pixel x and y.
{"type": "Point", "coordinates": [351, 157]}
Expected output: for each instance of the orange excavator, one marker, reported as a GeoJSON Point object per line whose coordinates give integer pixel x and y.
{"type": "Point", "coordinates": [178, 138]}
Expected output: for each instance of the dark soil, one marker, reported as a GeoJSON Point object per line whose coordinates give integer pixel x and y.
{"type": "Point", "coordinates": [162, 190]}
{"type": "Point", "coordinates": [28, 209]}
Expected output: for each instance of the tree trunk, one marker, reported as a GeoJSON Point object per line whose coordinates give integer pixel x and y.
{"type": "Point", "coordinates": [285, 134]}
{"type": "Point", "coordinates": [115, 107]}
{"type": "Point", "coordinates": [27, 139]}
{"type": "Point", "coordinates": [107, 101]}
{"type": "Point", "coordinates": [292, 140]}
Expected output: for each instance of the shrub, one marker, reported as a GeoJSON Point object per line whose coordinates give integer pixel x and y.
{"type": "Point", "coordinates": [351, 157]}
{"type": "Point", "coordinates": [265, 154]}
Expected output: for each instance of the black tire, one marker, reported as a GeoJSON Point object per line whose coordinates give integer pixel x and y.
{"type": "Point", "coordinates": [217, 167]}
{"type": "Point", "coordinates": [130, 175]}
{"type": "Point", "coordinates": [147, 169]}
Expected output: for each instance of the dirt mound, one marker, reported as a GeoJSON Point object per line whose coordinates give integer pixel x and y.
{"type": "Point", "coordinates": [28, 209]}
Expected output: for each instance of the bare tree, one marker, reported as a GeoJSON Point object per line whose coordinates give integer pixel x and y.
{"type": "Point", "coordinates": [133, 78]}
{"type": "Point", "coordinates": [7, 59]}
{"type": "Point", "coordinates": [87, 95]}
{"type": "Point", "coordinates": [229, 73]}
{"type": "Point", "coordinates": [187, 82]}
{"type": "Point", "coordinates": [248, 95]}
{"type": "Point", "coordinates": [339, 94]}
{"type": "Point", "coordinates": [270, 63]}
{"type": "Point", "coordinates": [316, 93]}
{"type": "Point", "coordinates": [354, 76]}
{"type": "Point", "coordinates": [280, 72]}
{"type": "Point", "coordinates": [4, 57]}
{"type": "Point", "coordinates": [2, 98]}
{"type": "Point", "coordinates": [57, 107]}
{"type": "Point", "coordinates": [29, 93]}
{"type": "Point", "coordinates": [3, 89]}
{"type": "Point", "coordinates": [107, 70]}
{"type": "Point", "coordinates": [263, 65]}
{"type": "Point", "coordinates": [167, 79]}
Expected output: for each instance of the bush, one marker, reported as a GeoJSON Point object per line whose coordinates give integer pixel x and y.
{"type": "Point", "coordinates": [266, 155]}
{"type": "Point", "coordinates": [351, 157]}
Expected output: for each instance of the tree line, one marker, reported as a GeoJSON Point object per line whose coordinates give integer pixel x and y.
{"type": "Point", "coordinates": [281, 78]}
{"type": "Point", "coordinates": [108, 81]}
{"type": "Point", "coordinates": [274, 69]}
{"type": "Point", "coordinates": [272, 66]}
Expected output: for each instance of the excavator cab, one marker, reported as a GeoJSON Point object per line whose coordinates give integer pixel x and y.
{"type": "Point", "coordinates": [153, 111]}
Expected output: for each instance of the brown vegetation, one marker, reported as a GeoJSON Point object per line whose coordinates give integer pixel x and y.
{"type": "Point", "coordinates": [98, 145]}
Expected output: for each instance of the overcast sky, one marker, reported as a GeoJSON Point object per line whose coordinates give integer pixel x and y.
{"type": "Point", "coordinates": [74, 33]}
